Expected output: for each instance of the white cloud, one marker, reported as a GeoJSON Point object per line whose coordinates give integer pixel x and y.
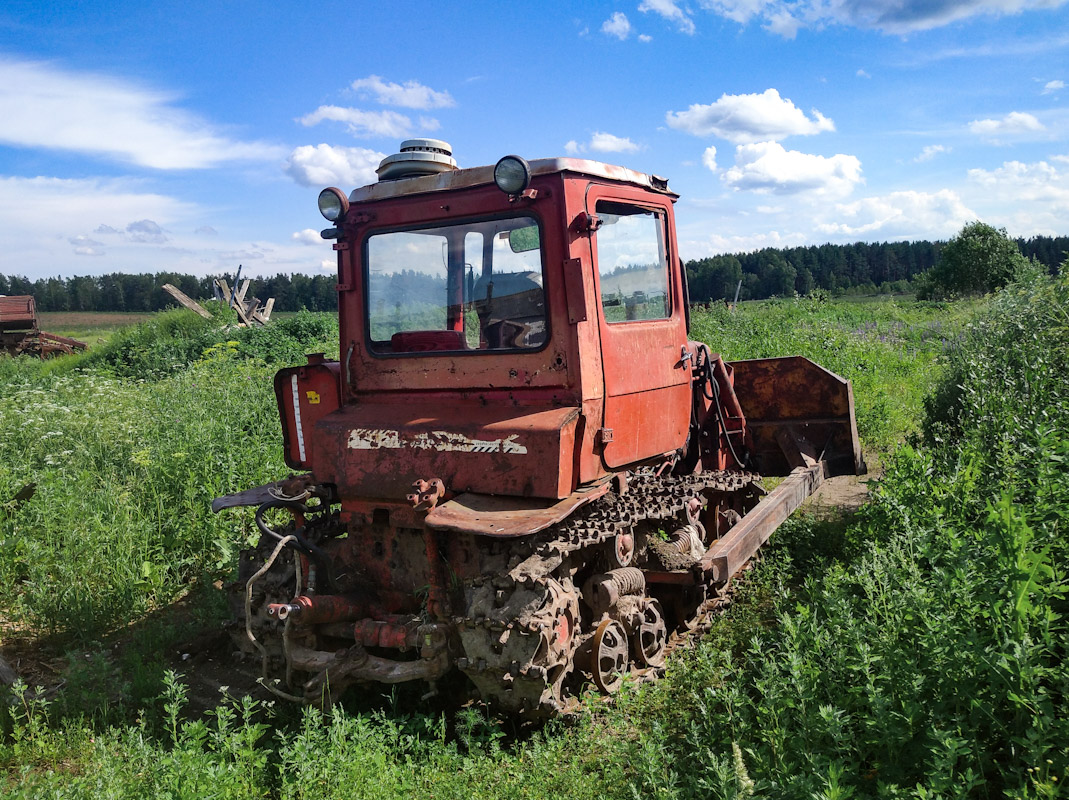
{"type": "Point", "coordinates": [602, 142]}
{"type": "Point", "coordinates": [617, 25]}
{"type": "Point", "coordinates": [1053, 86]}
{"type": "Point", "coordinates": [411, 94]}
{"type": "Point", "coordinates": [888, 16]}
{"type": "Point", "coordinates": [388, 124]}
{"type": "Point", "coordinates": [84, 246]}
{"type": "Point", "coordinates": [644, 37]}
{"type": "Point", "coordinates": [29, 208]}
{"type": "Point", "coordinates": [899, 215]}
{"type": "Point", "coordinates": [101, 204]}
{"type": "Point", "coordinates": [744, 118]}
{"type": "Point", "coordinates": [119, 219]}
{"type": "Point", "coordinates": [716, 243]}
{"type": "Point", "coordinates": [1016, 123]}
{"type": "Point", "coordinates": [308, 237]}
{"type": "Point", "coordinates": [741, 11]}
{"type": "Point", "coordinates": [862, 74]}
{"type": "Point", "coordinates": [1016, 182]}
{"type": "Point", "coordinates": [146, 231]}
{"type": "Point", "coordinates": [709, 158]}
{"type": "Point", "coordinates": [907, 16]}
{"type": "Point", "coordinates": [46, 106]}
{"type": "Point", "coordinates": [767, 167]}
{"type": "Point", "coordinates": [931, 151]}
{"type": "Point", "coordinates": [671, 12]}
{"type": "Point", "coordinates": [783, 24]}
{"type": "Point", "coordinates": [324, 165]}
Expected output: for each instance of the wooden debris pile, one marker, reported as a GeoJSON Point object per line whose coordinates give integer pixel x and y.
{"type": "Point", "coordinates": [249, 309]}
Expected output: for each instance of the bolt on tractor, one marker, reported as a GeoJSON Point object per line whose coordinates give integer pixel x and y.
{"type": "Point", "coordinates": [520, 469]}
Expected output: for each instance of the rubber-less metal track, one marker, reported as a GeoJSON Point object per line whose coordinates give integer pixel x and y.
{"type": "Point", "coordinates": [523, 631]}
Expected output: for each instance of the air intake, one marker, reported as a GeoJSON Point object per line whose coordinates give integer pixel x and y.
{"type": "Point", "coordinates": [417, 157]}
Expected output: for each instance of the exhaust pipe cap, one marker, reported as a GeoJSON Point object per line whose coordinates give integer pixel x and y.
{"type": "Point", "coordinates": [417, 157]}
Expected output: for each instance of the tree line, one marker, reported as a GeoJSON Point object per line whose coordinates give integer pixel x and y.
{"type": "Point", "coordinates": [859, 268]}
{"type": "Point", "coordinates": [120, 291]}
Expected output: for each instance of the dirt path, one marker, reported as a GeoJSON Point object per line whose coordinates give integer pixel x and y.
{"type": "Point", "coordinates": [846, 493]}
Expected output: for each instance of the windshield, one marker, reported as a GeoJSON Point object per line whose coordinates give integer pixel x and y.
{"type": "Point", "coordinates": [471, 286]}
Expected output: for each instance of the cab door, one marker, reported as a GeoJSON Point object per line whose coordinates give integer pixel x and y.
{"type": "Point", "coordinates": [642, 325]}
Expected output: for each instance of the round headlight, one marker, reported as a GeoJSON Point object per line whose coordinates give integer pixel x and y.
{"type": "Point", "coordinates": [512, 175]}
{"type": "Point", "coordinates": [333, 204]}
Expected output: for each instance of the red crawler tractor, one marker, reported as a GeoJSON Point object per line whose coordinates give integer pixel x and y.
{"type": "Point", "coordinates": [521, 468]}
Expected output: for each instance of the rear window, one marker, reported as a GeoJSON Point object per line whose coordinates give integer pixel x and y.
{"type": "Point", "coordinates": [471, 286]}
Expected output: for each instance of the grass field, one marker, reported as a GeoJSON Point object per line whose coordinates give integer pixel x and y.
{"type": "Point", "coordinates": [916, 649]}
{"type": "Point", "coordinates": [91, 327]}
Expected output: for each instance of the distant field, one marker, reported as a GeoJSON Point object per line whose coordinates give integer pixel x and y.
{"type": "Point", "coordinates": [89, 326]}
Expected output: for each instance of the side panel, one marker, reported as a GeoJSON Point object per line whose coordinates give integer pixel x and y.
{"type": "Point", "coordinates": [647, 383]}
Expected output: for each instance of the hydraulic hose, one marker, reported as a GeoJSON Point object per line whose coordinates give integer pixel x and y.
{"type": "Point", "coordinates": [298, 541]}
{"type": "Point", "coordinates": [707, 380]}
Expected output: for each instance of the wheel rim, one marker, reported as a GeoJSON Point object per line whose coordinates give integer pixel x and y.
{"type": "Point", "coordinates": [609, 656]}
{"type": "Point", "coordinates": [651, 636]}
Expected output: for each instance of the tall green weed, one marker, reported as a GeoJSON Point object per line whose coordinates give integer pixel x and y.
{"type": "Point", "coordinates": [931, 660]}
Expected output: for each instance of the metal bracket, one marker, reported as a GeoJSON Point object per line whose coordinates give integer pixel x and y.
{"type": "Point", "coordinates": [586, 223]}
{"type": "Point", "coordinates": [427, 494]}
{"type": "Point", "coordinates": [604, 435]}
{"type": "Point", "coordinates": [575, 290]}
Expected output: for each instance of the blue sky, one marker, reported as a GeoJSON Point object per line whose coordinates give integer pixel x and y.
{"type": "Point", "coordinates": [195, 136]}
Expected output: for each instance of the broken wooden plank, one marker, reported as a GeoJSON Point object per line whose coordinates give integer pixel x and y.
{"type": "Point", "coordinates": [224, 288]}
{"type": "Point", "coordinates": [241, 292]}
{"type": "Point", "coordinates": [266, 313]}
{"type": "Point", "coordinates": [186, 300]}
{"type": "Point", "coordinates": [253, 310]}
{"type": "Point", "coordinates": [242, 316]}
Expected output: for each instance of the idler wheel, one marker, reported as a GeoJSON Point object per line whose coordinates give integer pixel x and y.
{"type": "Point", "coordinates": [651, 636]}
{"type": "Point", "coordinates": [623, 550]}
{"type": "Point", "coordinates": [609, 656]}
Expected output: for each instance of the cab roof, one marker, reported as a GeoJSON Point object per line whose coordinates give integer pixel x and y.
{"type": "Point", "coordinates": [477, 176]}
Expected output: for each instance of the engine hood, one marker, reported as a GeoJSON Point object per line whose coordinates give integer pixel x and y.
{"type": "Point", "coordinates": [377, 450]}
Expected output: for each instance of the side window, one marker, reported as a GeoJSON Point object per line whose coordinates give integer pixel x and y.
{"type": "Point", "coordinates": [632, 262]}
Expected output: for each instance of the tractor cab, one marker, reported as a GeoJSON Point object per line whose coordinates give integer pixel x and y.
{"type": "Point", "coordinates": [513, 329]}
